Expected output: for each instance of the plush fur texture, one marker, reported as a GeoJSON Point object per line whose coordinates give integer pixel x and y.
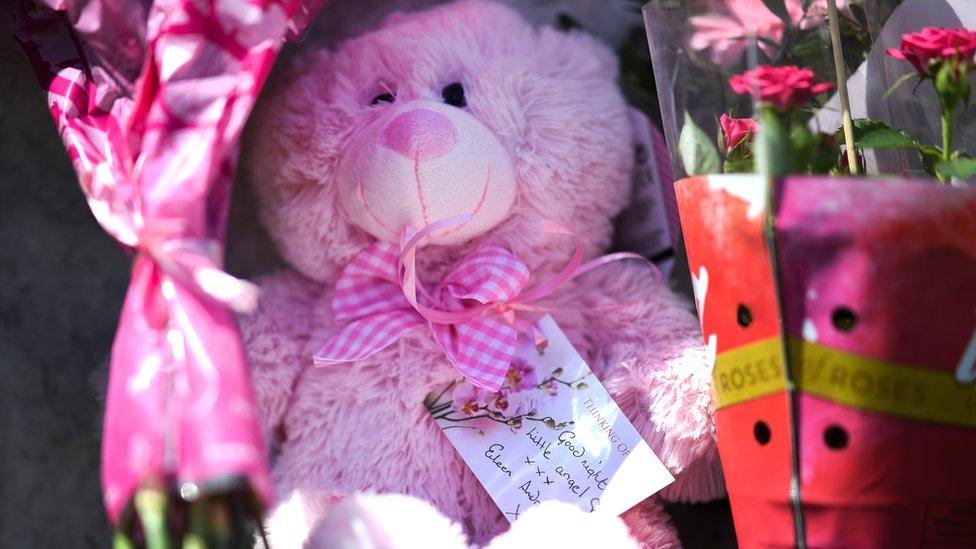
{"type": "Point", "coordinates": [393, 521]}
{"type": "Point", "coordinates": [387, 521]}
{"type": "Point", "coordinates": [550, 100]}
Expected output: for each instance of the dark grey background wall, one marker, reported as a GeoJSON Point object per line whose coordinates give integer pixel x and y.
{"type": "Point", "coordinates": [61, 287]}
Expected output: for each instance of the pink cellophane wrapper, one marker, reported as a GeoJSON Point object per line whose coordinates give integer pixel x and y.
{"type": "Point", "coordinates": [150, 99]}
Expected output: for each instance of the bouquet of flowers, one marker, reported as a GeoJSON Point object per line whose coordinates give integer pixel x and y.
{"type": "Point", "coordinates": [839, 309]}
{"type": "Point", "coordinates": [942, 57]}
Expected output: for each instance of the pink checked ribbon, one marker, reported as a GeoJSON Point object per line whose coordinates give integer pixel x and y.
{"type": "Point", "coordinates": [471, 313]}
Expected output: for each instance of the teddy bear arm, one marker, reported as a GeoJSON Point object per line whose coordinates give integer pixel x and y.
{"type": "Point", "coordinates": [650, 353]}
{"type": "Point", "coordinates": [275, 340]}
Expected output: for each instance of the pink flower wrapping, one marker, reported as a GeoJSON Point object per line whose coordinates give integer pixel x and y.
{"type": "Point", "coordinates": [726, 32]}
{"type": "Point", "coordinates": [150, 106]}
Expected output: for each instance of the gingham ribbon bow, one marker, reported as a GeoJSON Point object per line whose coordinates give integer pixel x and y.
{"type": "Point", "coordinates": [471, 313]}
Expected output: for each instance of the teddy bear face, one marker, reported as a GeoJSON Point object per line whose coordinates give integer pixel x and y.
{"type": "Point", "coordinates": [421, 161]}
{"type": "Point", "coordinates": [438, 113]}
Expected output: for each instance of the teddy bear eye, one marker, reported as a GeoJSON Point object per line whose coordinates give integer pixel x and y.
{"type": "Point", "coordinates": [383, 98]}
{"type": "Point", "coordinates": [453, 94]}
{"type": "Point", "coordinates": [566, 22]}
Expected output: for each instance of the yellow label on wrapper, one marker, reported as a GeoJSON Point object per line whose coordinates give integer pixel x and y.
{"type": "Point", "coordinates": [756, 370]}
{"type": "Point", "coordinates": [749, 372]}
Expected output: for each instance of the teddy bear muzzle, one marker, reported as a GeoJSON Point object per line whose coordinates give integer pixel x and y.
{"type": "Point", "coordinates": [420, 134]}
{"type": "Point", "coordinates": [423, 161]}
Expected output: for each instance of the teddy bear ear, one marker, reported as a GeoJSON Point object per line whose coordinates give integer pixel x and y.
{"type": "Point", "coordinates": [291, 147]}
{"type": "Point", "coordinates": [574, 54]}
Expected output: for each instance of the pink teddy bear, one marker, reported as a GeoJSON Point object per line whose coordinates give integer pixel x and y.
{"type": "Point", "coordinates": [461, 109]}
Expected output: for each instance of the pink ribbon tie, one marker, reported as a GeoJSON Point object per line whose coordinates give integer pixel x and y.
{"type": "Point", "coordinates": [196, 263]}
{"type": "Point", "coordinates": [472, 312]}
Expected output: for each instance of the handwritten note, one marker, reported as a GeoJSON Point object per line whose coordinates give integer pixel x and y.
{"type": "Point", "coordinates": [553, 432]}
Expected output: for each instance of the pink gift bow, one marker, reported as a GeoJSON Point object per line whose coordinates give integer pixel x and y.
{"type": "Point", "coordinates": [150, 101]}
{"type": "Point", "coordinates": [471, 312]}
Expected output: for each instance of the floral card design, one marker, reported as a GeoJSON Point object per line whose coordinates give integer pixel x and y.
{"type": "Point", "coordinates": [551, 432]}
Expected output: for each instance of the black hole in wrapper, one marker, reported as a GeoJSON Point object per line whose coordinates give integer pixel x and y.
{"type": "Point", "coordinates": [844, 319]}
{"type": "Point", "coordinates": [762, 433]}
{"type": "Point", "coordinates": [835, 437]}
{"type": "Point", "coordinates": [744, 316]}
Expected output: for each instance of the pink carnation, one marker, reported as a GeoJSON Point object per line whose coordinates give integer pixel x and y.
{"type": "Point", "coordinates": [737, 130]}
{"type": "Point", "coordinates": [932, 44]}
{"type": "Point", "coordinates": [785, 87]}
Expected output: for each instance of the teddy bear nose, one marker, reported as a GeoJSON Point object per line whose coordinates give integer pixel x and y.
{"type": "Point", "coordinates": [421, 134]}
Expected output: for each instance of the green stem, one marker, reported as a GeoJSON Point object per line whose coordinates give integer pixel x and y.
{"type": "Point", "coordinates": [946, 139]}
{"type": "Point", "coordinates": [151, 504]}
{"type": "Point", "coordinates": [121, 541]}
{"type": "Point", "coordinates": [946, 134]}
{"type": "Point", "coordinates": [196, 528]}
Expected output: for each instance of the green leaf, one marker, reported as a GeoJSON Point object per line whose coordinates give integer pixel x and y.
{"type": "Point", "coordinates": [773, 149]}
{"type": "Point", "coordinates": [744, 165]}
{"type": "Point", "coordinates": [960, 168]}
{"type": "Point", "coordinates": [862, 126]}
{"type": "Point", "coordinates": [885, 139]}
{"type": "Point", "coordinates": [930, 157]}
{"type": "Point", "coordinates": [825, 157]}
{"type": "Point", "coordinates": [698, 154]}
{"type": "Point", "coordinates": [874, 134]}
{"type": "Point", "coordinates": [901, 80]}
{"type": "Point", "coordinates": [778, 7]}
{"type": "Point", "coordinates": [804, 145]}
{"type": "Point", "coordinates": [808, 44]}
{"type": "Point", "coordinates": [719, 135]}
